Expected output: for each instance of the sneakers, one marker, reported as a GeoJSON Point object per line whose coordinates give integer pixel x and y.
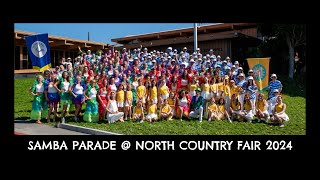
{"type": "Point", "coordinates": [63, 120]}
{"type": "Point", "coordinates": [209, 119]}
{"type": "Point", "coordinates": [229, 120]}
{"type": "Point", "coordinates": [282, 125]}
{"type": "Point", "coordinates": [259, 120]}
{"type": "Point", "coordinates": [141, 121]}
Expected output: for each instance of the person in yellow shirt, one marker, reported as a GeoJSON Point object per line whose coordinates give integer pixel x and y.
{"type": "Point", "coordinates": [234, 89]}
{"type": "Point", "coordinates": [120, 98]}
{"type": "Point", "coordinates": [164, 90]}
{"type": "Point", "coordinates": [235, 107]}
{"type": "Point", "coordinates": [262, 108]}
{"type": "Point", "coordinates": [166, 111]}
{"type": "Point", "coordinates": [138, 113]}
{"type": "Point", "coordinates": [193, 86]}
{"type": "Point", "coordinates": [279, 115]}
{"type": "Point", "coordinates": [205, 88]}
{"type": "Point", "coordinates": [172, 102]}
{"type": "Point", "coordinates": [212, 110]}
{"type": "Point", "coordinates": [141, 93]}
{"type": "Point", "coordinates": [226, 91]}
{"type": "Point", "coordinates": [246, 113]}
{"type": "Point", "coordinates": [152, 113]}
{"type": "Point", "coordinates": [153, 92]}
{"type": "Point", "coordinates": [222, 112]}
{"type": "Point", "coordinates": [213, 88]}
{"type": "Point", "coordinates": [128, 102]}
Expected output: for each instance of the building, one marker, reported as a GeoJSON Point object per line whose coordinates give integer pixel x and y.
{"type": "Point", "coordinates": [59, 47]}
{"type": "Point", "coordinates": [226, 39]}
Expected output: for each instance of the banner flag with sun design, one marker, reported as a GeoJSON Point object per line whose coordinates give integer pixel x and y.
{"type": "Point", "coordinates": [260, 67]}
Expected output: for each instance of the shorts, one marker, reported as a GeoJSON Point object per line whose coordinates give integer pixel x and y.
{"type": "Point", "coordinates": [154, 100]}
{"type": "Point", "coordinates": [126, 104]}
{"type": "Point", "coordinates": [152, 116]}
{"type": "Point", "coordinates": [164, 96]}
{"type": "Point", "coordinates": [143, 100]}
{"type": "Point", "coordinates": [120, 104]}
{"type": "Point", "coordinates": [206, 95]}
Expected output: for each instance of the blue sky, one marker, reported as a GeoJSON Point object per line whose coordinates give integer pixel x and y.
{"type": "Point", "coordinates": [99, 32]}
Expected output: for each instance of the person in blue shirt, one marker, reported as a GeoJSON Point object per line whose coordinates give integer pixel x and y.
{"type": "Point", "coordinates": [274, 84]}
{"type": "Point", "coordinates": [196, 105]}
{"type": "Point", "coordinates": [241, 83]}
{"type": "Point", "coordinates": [252, 89]}
{"type": "Point", "coordinates": [185, 53]}
{"type": "Point", "coordinates": [170, 53]}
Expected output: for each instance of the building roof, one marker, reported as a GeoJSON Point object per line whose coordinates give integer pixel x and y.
{"type": "Point", "coordinates": [206, 29]}
{"type": "Point", "coordinates": [63, 42]}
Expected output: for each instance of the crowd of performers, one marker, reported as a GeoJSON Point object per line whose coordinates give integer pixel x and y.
{"type": "Point", "coordinates": [144, 85]}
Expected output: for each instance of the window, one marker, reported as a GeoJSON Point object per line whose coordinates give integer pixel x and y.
{"type": "Point", "coordinates": [24, 53]}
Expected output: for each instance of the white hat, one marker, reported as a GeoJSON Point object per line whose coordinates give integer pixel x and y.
{"type": "Point", "coordinates": [218, 66]}
{"type": "Point", "coordinates": [158, 51]}
{"type": "Point", "coordinates": [153, 55]}
{"type": "Point", "coordinates": [154, 60]}
{"type": "Point", "coordinates": [181, 52]}
{"type": "Point", "coordinates": [204, 58]}
{"type": "Point", "coordinates": [68, 58]}
{"type": "Point", "coordinates": [211, 50]}
{"type": "Point", "coordinates": [138, 49]}
{"type": "Point", "coordinates": [184, 48]}
{"type": "Point", "coordinates": [218, 56]}
{"type": "Point", "coordinates": [149, 57]}
{"type": "Point", "coordinates": [170, 48]}
{"type": "Point", "coordinates": [161, 52]}
{"type": "Point", "coordinates": [145, 49]}
{"type": "Point", "coordinates": [175, 50]}
{"type": "Point", "coordinates": [228, 68]}
{"type": "Point", "coordinates": [211, 57]}
{"type": "Point", "coordinates": [114, 51]}
{"type": "Point", "coordinates": [250, 71]}
{"type": "Point", "coordinates": [233, 66]}
{"type": "Point", "coordinates": [241, 74]}
{"type": "Point", "coordinates": [135, 50]}
{"type": "Point", "coordinates": [214, 59]}
{"type": "Point", "coordinates": [240, 68]}
{"type": "Point", "coordinates": [273, 75]}
{"type": "Point", "coordinates": [208, 55]}
{"type": "Point", "coordinates": [198, 49]}
{"type": "Point", "coordinates": [169, 57]}
{"type": "Point", "coordinates": [144, 55]}
{"type": "Point", "coordinates": [199, 54]}
{"type": "Point", "coordinates": [225, 61]}
{"type": "Point", "coordinates": [195, 57]}
{"type": "Point", "coordinates": [136, 58]}
{"type": "Point", "coordinates": [194, 53]}
{"type": "Point", "coordinates": [275, 90]}
{"type": "Point", "coordinates": [250, 77]}
{"type": "Point", "coordinates": [208, 61]}
{"type": "Point", "coordinates": [191, 60]}
{"type": "Point", "coordinates": [124, 48]}
{"type": "Point", "coordinates": [183, 56]}
{"type": "Point", "coordinates": [236, 62]}
{"type": "Point", "coordinates": [154, 51]}
{"type": "Point", "coordinates": [227, 58]}
{"type": "Point", "coordinates": [173, 60]}
{"type": "Point", "coordinates": [89, 50]}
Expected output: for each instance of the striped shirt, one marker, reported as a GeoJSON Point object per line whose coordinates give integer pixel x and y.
{"type": "Point", "coordinates": [274, 85]}
{"type": "Point", "coordinates": [252, 90]}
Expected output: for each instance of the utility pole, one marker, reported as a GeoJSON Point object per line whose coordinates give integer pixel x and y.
{"type": "Point", "coordinates": [88, 36]}
{"type": "Point", "coordinates": [195, 40]}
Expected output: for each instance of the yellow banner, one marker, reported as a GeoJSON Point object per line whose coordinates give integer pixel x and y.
{"type": "Point", "coordinates": [260, 67]}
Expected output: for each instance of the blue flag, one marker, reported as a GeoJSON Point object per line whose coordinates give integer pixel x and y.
{"type": "Point", "coordinates": [39, 51]}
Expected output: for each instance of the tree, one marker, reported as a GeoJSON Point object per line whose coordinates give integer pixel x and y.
{"type": "Point", "coordinates": [293, 34]}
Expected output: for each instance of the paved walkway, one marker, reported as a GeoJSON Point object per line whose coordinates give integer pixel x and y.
{"type": "Point", "coordinates": [27, 128]}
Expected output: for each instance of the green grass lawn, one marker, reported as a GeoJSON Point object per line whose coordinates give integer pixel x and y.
{"type": "Point", "coordinates": [294, 97]}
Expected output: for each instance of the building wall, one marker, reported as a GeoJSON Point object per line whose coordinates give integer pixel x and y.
{"type": "Point", "coordinates": [23, 61]}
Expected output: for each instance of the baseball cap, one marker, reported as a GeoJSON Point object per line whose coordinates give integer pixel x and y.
{"type": "Point", "coordinates": [218, 66]}
{"type": "Point", "coordinates": [198, 49]}
{"type": "Point", "coordinates": [211, 50]}
{"type": "Point", "coordinates": [184, 48]}
{"type": "Point", "coordinates": [250, 77]}
{"type": "Point", "coordinates": [153, 61]}
{"type": "Point", "coordinates": [136, 58]}
{"type": "Point", "coordinates": [175, 50]}
{"type": "Point", "coordinates": [198, 89]}
{"type": "Point", "coordinates": [170, 48]}
{"type": "Point", "coordinates": [273, 75]}
{"type": "Point", "coordinates": [227, 58]}
{"type": "Point", "coordinates": [240, 68]}
{"type": "Point", "coordinates": [225, 61]}
{"type": "Point", "coordinates": [145, 49]}
{"type": "Point", "coordinates": [169, 57]}
{"type": "Point", "coordinates": [241, 74]}
{"type": "Point", "coordinates": [218, 56]}
{"type": "Point", "coordinates": [250, 71]}
{"type": "Point", "coordinates": [276, 90]}
{"type": "Point", "coordinates": [236, 62]}
{"type": "Point", "coordinates": [191, 60]}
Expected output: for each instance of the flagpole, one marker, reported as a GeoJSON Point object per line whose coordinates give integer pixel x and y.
{"type": "Point", "coordinates": [195, 37]}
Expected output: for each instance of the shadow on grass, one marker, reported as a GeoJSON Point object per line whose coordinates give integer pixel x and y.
{"type": "Point", "coordinates": [293, 88]}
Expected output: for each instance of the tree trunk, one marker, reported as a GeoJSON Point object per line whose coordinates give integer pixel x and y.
{"type": "Point", "coordinates": [291, 61]}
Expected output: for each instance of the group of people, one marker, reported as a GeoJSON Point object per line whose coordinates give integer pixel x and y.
{"type": "Point", "coordinates": [150, 86]}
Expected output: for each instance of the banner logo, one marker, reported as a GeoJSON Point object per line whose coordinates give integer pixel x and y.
{"type": "Point", "coordinates": [39, 49]}
{"type": "Point", "coordinates": [259, 72]}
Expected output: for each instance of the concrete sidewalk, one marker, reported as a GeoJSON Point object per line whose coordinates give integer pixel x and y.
{"type": "Point", "coordinates": [27, 128]}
